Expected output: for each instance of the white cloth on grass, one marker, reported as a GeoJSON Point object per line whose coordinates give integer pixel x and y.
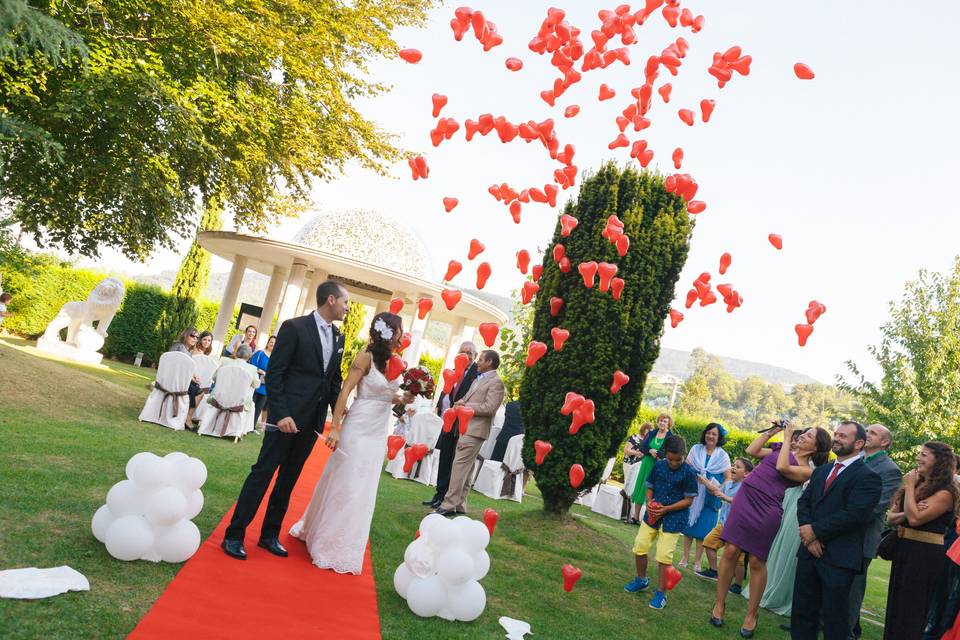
{"type": "Point", "coordinates": [31, 583]}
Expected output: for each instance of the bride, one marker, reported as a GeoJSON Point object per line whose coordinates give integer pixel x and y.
{"type": "Point", "coordinates": [336, 524]}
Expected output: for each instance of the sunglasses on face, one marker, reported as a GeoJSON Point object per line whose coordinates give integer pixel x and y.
{"type": "Point", "coordinates": [194, 336]}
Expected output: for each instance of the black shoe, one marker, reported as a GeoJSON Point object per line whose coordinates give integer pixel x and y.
{"type": "Point", "coordinates": [747, 633]}
{"type": "Point", "coordinates": [444, 512]}
{"type": "Point", "coordinates": [234, 549]}
{"type": "Point", "coordinates": [434, 503]}
{"type": "Point", "coordinates": [716, 622]}
{"type": "Point", "coordinates": [273, 546]}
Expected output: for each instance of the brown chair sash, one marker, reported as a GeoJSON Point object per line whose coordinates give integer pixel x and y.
{"type": "Point", "coordinates": [221, 410]}
{"type": "Point", "coordinates": [481, 460]}
{"type": "Point", "coordinates": [509, 480]}
{"type": "Point", "coordinates": [169, 394]}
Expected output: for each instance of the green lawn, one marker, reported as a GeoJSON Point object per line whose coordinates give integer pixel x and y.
{"type": "Point", "coordinates": [66, 432]}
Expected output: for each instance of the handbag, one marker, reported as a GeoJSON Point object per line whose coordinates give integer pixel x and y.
{"type": "Point", "coordinates": [888, 544]}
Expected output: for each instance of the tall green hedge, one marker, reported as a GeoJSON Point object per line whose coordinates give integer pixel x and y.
{"type": "Point", "coordinates": [605, 334]}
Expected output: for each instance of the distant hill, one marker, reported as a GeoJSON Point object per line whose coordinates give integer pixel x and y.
{"type": "Point", "coordinates": [672, 362]}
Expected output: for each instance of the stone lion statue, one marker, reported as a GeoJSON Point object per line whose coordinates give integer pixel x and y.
{"type": "Point", "coordinates": [79, 317]}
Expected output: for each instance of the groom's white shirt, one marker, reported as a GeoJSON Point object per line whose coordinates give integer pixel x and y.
{"type": "Point", "coordinates": [326, 337]}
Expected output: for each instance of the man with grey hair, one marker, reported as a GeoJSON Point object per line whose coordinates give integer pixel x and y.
{"type": "Point", "coordinates": [447, 442]}
{"type": "Point", "coordinates": [875, 456]}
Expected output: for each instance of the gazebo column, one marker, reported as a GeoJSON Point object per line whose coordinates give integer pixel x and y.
{"type": "Point", "coordinates": [417, 329]}
{"type": "Point", "coordinates": [291, 294]}
{"type": "Point", "coordinates": [457, 331]}
{"type": "Point", "coordinates": [270, 300]}
{"type": "Point", "coordinates": [383, 305]}
{"type": "Point", "coordinates": [304, 292]}
{"type": "Point", "coordinates": [228, 302]}
{"type": "Point", "coordinates": [310, 302]}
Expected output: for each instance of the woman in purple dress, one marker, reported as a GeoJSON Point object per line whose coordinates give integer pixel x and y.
{"type": "Point", "coordinates": [757, 510]}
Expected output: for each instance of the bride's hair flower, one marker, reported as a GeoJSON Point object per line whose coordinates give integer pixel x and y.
{"type": "Point", "coordinates": [381, 327]}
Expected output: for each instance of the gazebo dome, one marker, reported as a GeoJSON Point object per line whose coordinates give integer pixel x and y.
{"type": "Point", "coordinates": [369, 237]}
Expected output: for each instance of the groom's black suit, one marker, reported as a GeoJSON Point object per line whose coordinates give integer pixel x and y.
{"type": "Point", "coordinates": [447, 442]}
{"type": "Point", "coordinates": [299, 388]}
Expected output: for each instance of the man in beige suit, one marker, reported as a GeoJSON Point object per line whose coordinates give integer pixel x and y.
{"type": "Point", "coordinates": [484, 397]}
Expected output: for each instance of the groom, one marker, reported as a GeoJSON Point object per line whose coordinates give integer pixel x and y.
{"type": "Point", "coordinates": [302, 381]}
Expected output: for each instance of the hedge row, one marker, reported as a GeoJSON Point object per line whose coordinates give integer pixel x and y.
{"type": "Point", "coordinates": [41, 284]}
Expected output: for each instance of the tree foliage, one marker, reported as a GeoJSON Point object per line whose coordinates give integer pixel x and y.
{"type": "Point", "coordinates": [353, 342]}
{"type": "Point", "coordinates": [918, 395]}
{"type": "Point", "coordinates": [514, 340]}
{"type": "Point", "coordinates": [183, 99]}
{"type": "Point", "coordinates": [605, 334]}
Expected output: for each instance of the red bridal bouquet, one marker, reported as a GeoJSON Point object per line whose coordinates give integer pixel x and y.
{"type": "Point", "coordinates": [418, 382]}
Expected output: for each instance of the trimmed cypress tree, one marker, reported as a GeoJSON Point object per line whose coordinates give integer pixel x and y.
{"type": "Point", "coordinates": [353, 343]}
{"type": "Point", "coordinates": [605, 334]}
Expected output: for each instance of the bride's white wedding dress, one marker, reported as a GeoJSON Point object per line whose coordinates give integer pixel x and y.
{"type": "Point", "coordinates": [336, 524]}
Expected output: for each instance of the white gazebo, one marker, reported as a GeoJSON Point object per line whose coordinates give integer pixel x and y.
{"type": "Point", "coordinates": [376, 258]}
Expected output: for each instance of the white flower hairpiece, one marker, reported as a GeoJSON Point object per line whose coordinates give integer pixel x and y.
{"type": "Point", "coordinates": [381, 327]}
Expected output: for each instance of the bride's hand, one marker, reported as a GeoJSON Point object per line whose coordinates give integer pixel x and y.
{"type": "Point", "coordinates": [332, 439]}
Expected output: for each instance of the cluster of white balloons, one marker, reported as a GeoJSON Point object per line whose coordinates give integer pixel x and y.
{"type": "Point", "coordinates": [442, 569]}
{"type": "Point", "coordinates": [148, 515]}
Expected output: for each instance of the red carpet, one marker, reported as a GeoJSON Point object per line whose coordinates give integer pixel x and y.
{"type": "Point", "coordinates": [265, 597]}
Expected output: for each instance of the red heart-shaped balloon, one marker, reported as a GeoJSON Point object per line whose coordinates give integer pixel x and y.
{"type": "Point", "coordinates": [567, 224]}
{"type": "Point", "coordinates": [686, 115]}
{"type": "Point", "coordinates": [396, 305]}
{"type": "Point", "coordinates": [395, 366]}
{"type": "Point", "coordinates": [677, 157]}
{"type": "Point", "coordinates": [559, 337]}
{"type": "Point", "coordinates": [536, 272]}
{"type": "Point", "coordinates": [528, 290]}
{"type": "Point", "coordinates": [490, 518]}
{"type": "Point", "coordinates": [449, 204]}
{"type": "Point", "coordinates": [725, 260]}
{"type": "Point", "coordinates": [542, 448]}
{"type": "Point", "coordinates": [564, 265]}
{"type": "Point", "coordinates": [424, 305]}
{"type": "Point", "coordinates": [803, 332]}
{"type": "Point", "coordinates": [606, 271]}
{"type": "Point", "coordinates": [706, 109]}
{"type": "Point", "coordinates": [570, 576]}
{"type": "Point", "coordinates": [775, 240]}
{"type": "Point", "coordinates": [449, 379]}
{"type": "Point", "coordinates": [453, 268]}
{"type": "Point", "coordinates": [555, 305]}
{"type": "Point", "coordinates": [476, 248]}
{"type": "Point", "coordinates": [589, 271]}
{"type": "Point", "coordinates": [803, 71]}
{"type": "Point", "coordinates": [576, 475]}
{"type": "Point", "coordinates": [405, 341]}
{"type": "Point", "coordinates": [439, 101]}
{"type": "Point", "coordinates": [558, 252]}
{"type": "Point", "coordinates": [623, 245]}
{"type": "Point", "coordinates": [571, 111]}
{"type": "Point", "coordinates": [606, 92]}
{"type": "Point", "coordinates": [523, 261]}
{"type": "Point", "coordinates": [483, 274]}
{"type": "Point", "coordinates": [616, 287]}
{"type": "Point", "coordinates": [460, 364]}
{"type": "Point", "coordinates": [535, 351]}
{"type": "Point", "coordinates": [449, 417]}
{"type": "Point", "coordinates": [675, 318]}
{"type": "Point", "coordinates": [489, 332]}
{"type": "Point", "coordinates": [619, 379]}
{"type": "Point", "coordinates": [571, 402]}
{"type": "Point", "coordinates": [394, 444]}
{"type": "Point", "coordinates": [514, 64]}
{"type": "Point", "coordinates": [419, 451]}
{"type": "Point", "coordinates": [409, 457]}
{"type": "Point", "coordinates": [464, 416]}
{"type": "Point", "coordinates": [673, 577]}
{"type": "Point", "coordinates": [451, 297]}
{"type": "Point", "coordinates": [410, 55]}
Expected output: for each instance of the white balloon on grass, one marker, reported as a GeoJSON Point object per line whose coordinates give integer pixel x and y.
{"type": "Point", "coordinates": [426, 596]}
{"type": "Point", "coordinates": [178, 542]}
{"type": "Point", "coordinates": [481, 565]}
{"type": "Point", "coordinates": [455, 567]}
{"type": "Point", "coordinates": [426, 525]}
{"type": "Point", "coordinates": [173, 456]}
{"type": "Point", "coordinates": [420, 558]}
{"type": "Point", "coordinates": [189, 474]}
{"type": "Point", "coordinates": [467, 601]}
{"type": "Point", "coordinates": [153, 473]}
{"type": "Point", "coordinates": [102, 520]}
{"type": "Point", "coordinates": [473, 534]}
{"type": "Point", "coordinates": [444, 534]}
{"type": "Point", "coordinates": [135, 461]}
{"type": "Point", "coordinates": [194, 504]}
{"type": "Point", "coordinates": [402, 579]}
{"type": "Point", "coordinates": [166, 507]}
{"type": "Point", "coordinates": [125, 498]}
{"type": "Point", "coordinates": [129, 537]}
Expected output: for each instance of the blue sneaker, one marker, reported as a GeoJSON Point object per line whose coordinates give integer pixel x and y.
{"type": "Point", "coordinates": [637, 584]}
{"type": "Point", "coordinates": [659, 600]}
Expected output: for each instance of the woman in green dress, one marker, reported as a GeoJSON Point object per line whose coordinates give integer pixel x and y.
{"type": "Point", "coordinates": [652, 448]}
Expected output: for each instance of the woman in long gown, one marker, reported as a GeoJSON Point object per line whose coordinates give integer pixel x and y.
{"type": "Point", "coordinates": [652, 448]}
{"type": "Point", "coordinates": [712, 465]}
{"type": "Point", "coordinates": [336, 524]}
{"type": "Point", "coordinates": [757, 511]}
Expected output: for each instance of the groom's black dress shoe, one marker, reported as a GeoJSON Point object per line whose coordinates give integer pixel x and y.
{"type": "Point", "coordinates": [273, 546]}
{"type": "Point", "coordinates": [444, 512]}
{"type": "Point", "coordinates": [432, 502]}
{"type": "Point", "coordinates": [234, 549]}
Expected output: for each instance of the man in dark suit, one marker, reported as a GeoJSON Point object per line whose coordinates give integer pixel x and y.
{"type": "Point", "coordinates": [512, 426]}
{"type": "Point", "coordinates": [833, 512]}
{"type": "Point", "coordinates": [447, 442]}
{"type": "Point", "coordinates": [874, 456]}
{"type": "Point", "coordinates": [303, 380]}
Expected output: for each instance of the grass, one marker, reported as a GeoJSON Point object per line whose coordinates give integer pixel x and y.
{"type": "Point", "coordinates": [66, 432]}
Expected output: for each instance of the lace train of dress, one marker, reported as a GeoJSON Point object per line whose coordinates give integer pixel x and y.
{"type": "Point", "coordinates": [336, 524]}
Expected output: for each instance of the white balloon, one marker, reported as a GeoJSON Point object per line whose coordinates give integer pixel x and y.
{"type": "Point", "coordinates": [455, 567]}
{"type": "Point", "coordinates": [135, 461]}
{"type": "Point", "coordinates": [189, 474]}
{"type": "Point", "coordinates": [426, 525]}
{"type": "Point", "coordinates": [166, 506]}
{"type": "Point", "coordinates": [401, 580]}
{"type": "Point", "coordinates": [467, 601]}
{"type": "Point", "coordinates": [179, 542]}
{"type": "Point", "coordinates": [446, 614]}
{"type": "Point", "coordinates": [194, 504]}
{"type": "Point", "coordinates": [419, 558]}
{"type": "Point", "coordinates": [153, 473]}
{"type": "Point", "coordinates": [125, 498]}
{"type": "Point", "coordinates": [473, 534]}
{"type": "Point", "coordinates": [426, 596]}
{"type": "Point", "coordinates": [129, 537]}
{"type": "Point", "coordinates": [102, 520]}
{"type": "Point", "coordinates": [481, 565]}
{"type": "Point", "coordinates": [444, 535]}
{"type": "Point", "coordinates": [173, 456]}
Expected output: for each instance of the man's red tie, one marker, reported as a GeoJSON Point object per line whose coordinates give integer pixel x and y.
{"type": "Point", "coordinates": [833, 476]}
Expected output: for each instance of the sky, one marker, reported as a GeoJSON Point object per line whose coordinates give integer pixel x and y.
{"type": "Point", "coordinates": [852, 169]}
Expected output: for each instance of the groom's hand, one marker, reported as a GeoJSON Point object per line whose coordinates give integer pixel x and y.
{"type": "Point", "coordinates": [287, 425]}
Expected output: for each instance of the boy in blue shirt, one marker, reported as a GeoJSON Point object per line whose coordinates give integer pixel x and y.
{"type": "Point", "coordinates": [671, 487]}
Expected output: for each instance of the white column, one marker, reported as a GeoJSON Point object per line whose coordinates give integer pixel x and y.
{"type": "Point", "coordinates": [270, 300]}
{"type": "Point", "coordinates": [383, 305]}
{"type": "Point", "coordinates": [229, 301]}
{"type": "Point", "coordinates": [310, 302]}
{"type": "Point", "coordinates": [304, 292]}
{"type": "Point", "coordinates": [417, 328]}
{"type": "Point", "coordinates": [457, 332]}
{"type": "Point", "coordinates": [291, 294]}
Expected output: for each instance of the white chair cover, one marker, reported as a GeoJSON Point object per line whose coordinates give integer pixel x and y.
{"type": "Point", "coordinates": [607, 499]}
{"type": "Point", "coordinates": [167, 404]}
{"type": "Point", "coordinates": [494, 480]}
{"type": "Point", "coordinates": [486, 449]}
{"type": "Point", "coordinates": [232, 391]}
{"type": "Point", "coordinates": [587, 497]}
{"type": "Point", "coordinates": [424, 429]}
{"type": "Point", "coordinates": [205, 368]}
{"type": "Point", "coordinates": [630, 474]}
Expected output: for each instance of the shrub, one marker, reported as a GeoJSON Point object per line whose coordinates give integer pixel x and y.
{"type": "Point", "coordinates": [434, 366]}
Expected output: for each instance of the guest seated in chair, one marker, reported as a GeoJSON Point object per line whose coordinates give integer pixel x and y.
{"type": "Point", "coordinates": [204, 345]}
{"type": "Point", "coordinates": [185, 344]}
{"type": "Point", "coordinates": [242, 354]}
{"type": "Point", "coordinates": [512, 426]}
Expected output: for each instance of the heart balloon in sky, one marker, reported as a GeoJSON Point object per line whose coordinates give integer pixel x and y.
{"type": "Point", "coordinates": [776, 241]}
{"type": "Point", "coordinates": [453, 268]}
{"type": "Point", "coordinates": [451, 297]}
{"type": "Point", "coordinates": [396, 305]}
{"type": "Point", "coordinates": [424, 305]}
{"type": "Point", "coordinates": [489, 332]}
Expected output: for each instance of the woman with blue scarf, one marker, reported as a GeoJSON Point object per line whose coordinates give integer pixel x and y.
{"type": "Point", "coordinates": [712, 465]}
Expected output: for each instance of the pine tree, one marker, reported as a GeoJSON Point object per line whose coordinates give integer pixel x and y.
{"type": "Point", "coordinates": [605, 334]}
